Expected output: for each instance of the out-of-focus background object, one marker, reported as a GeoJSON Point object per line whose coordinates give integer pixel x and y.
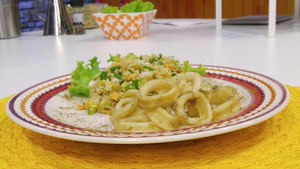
{"type": "Point", "coordinates": [166, 9]}
{"type": "Point", "coordinates": [206, 8]}
{"type": "Point", "coordinates": [125, 26]}
{"type": "Point", "coordinates": [57, 20]}
{"type": "Point", "coordinates": [88, 10]}
{"type": "Point", "coordinates": [28, 15]}
{"type": "Point", "coordinates": [77, 16]}
{"type": "Point", "coordinates": [255, 20]}
{"type": "Point", "coordinates": [9, 19]}
{"type": "Point", "coordinates": [272, 15]}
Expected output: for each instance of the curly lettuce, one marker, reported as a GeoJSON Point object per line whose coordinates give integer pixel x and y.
{"type": "Point", "coordinates": [131, 56]}
{"type": "Point", "coordinates": [133, 6]}
{"type": "Point", "coordinates": [137, 6]}
{"type": "Point", "coordinates": [112, 58]}
{"type": "Point", "coordinates": [188, 68]}
{"type": "Point", "coordinates": [147, 6]}
{"type": "Point", "coordinates": [110, 9]}
{"type": "Point", "coordinates": [82, 76]}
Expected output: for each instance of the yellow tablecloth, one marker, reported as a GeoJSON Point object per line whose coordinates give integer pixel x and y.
{"type": "Point", "coordinates": [274, 143]}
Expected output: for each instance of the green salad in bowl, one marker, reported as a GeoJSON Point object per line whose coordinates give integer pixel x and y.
{"type": "Point", "coordinates": [131, 21]}
{"type": "Point", "coordinates": [133, 6]}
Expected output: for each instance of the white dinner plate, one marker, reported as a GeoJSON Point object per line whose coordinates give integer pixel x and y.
{"type": "Point", "coordinates": [35, 108]}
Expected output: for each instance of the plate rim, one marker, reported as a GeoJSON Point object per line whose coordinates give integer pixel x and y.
{"type": "Point", "coordinates": [153, 139]}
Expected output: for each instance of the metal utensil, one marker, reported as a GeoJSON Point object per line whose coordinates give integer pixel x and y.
{"type": "Point", "coordinates": [9, 19]}
{"type": "Point", "coordinates": [57, 20]}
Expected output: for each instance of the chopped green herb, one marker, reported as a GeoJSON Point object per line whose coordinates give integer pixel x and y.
{"type": "Point", "coordinates": [118, 75]}
{"type": "Point", "coordinates": [141, 57]}
{"type": "Point", "coordinates": [173, 74]}
{"type": "Point", "coordinates": [103, 75]}
{"type": "Point", "coordinates": [113, 58]}
{"type": "Point", "coordinates": [127, 87]}
{"type": "Point", "coordinates": [113, 69]}
{"type": "Point", "coordinates": [131, 56]}
{"type": "Point", "coordinates": [135, 84]}
{"type": "Point", "coordinates": [188, 68]}
{"type": "Point", "coordinates": [149, 68]}
{"type": "Point", "coordinates": [156, 59]}
{"type": "Point", "coordinates": [159, 56]}
{"type": "Point", "coordinates": [92, 109]}
{"type": "Point", "coordinates": [152, 60]}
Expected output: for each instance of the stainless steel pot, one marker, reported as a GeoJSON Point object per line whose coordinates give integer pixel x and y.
{"type": "Point", "coordinates": [9, 19]}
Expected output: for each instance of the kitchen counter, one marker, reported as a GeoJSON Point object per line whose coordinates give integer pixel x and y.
{"type": "Point", "coordinates": [33, 58]}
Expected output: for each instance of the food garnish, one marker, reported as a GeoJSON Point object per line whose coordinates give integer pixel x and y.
{"type": "Point", "coordinates": [82, 76]}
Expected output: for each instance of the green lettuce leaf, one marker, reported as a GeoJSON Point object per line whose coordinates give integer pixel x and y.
{"type": "Point", "coordinates": [113, 58]}
{"type": "Point", "coordinates": [127, 8]}
{"type": "Point", "coordinates": [137, 6]}
{"type": "Point", "coordinates": [188, 68]}
{"type": "Point", "coordinates": [82, 76]}
{"type": "Point", "coordinates": [133, 6]}
{"type": "Point", "coordinates": [147, 6]}
{"type": "Point", "coordinates": [131, 56]}
{"type": "Point", "coordinates": [110, 9]}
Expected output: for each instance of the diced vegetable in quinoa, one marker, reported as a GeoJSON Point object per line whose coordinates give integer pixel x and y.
{"type": "Point", "coordinates": [106, 87]}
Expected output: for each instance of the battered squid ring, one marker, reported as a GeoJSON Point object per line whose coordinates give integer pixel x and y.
{"type": "Point", "coordinates": [222, 94]}
{"type": "Point", "coordinates": [202, 106]}
{"type": "Point", "coordinates": [224, 100]}
{"type": "Point", "coordinates": [168, 95]}
{"type": "Point", "coordinates": [137, 116]}
{"type": "Point", "coordinates": [234, 108]}
{"type": "Point", "coordinates": [184, 78]}
{"type": "Point", "coordinates": [163, 119]}
{"type": "Point", "coordinates": [123, 108]}
{"type": "Point", "coordinates": [229, 104]}
{"type": "Point", "coordinates": [130, 93]}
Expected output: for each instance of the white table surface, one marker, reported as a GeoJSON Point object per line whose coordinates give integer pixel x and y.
{"type": "Point", "coordinates": [32, 58]}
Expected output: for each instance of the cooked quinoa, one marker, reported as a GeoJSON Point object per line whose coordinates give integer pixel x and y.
{"type": "Point", "coordinates": [127, 73]}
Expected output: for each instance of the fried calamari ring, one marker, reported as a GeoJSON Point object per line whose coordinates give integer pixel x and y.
{"type": "Point", "coordinates": [156, 93]}
{"type": "Point", "coordinates": [201, 104]}
{"type": "Point", "coordinates": [229, 112]}
{"type": "Point", "coordinates": [123, 108]}
{"type": "Point", "coordinates": [130, 93]}
{"type": "Point", "coordinates": [137, 116]}
{"type": "Point", "coordinates": [224, 100]}
{"type": "Point", "coordinates": [163, 119]}
{"type": "Point", "coordinates": [188, 82]}
{"type": "Point", "coordinates": [226, 106]}
{"type": "Point", "coordinates": [222, 94]}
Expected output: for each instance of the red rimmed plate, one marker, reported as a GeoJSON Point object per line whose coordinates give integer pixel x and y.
{"type": "Point", "coordinates": [44, 109]}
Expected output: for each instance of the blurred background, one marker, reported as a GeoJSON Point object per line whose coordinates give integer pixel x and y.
{"type": "Point", "coordinates": [206, 8]}
{"type": "Point", "coordinates": [166, 9]}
